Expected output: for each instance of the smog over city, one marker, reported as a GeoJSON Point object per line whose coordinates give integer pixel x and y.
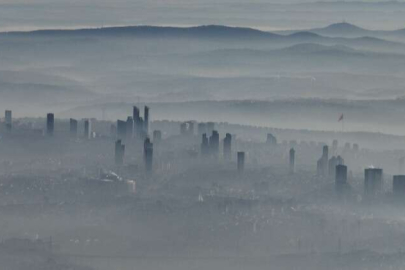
{"type": "Point", "coordinates": [202, 134]}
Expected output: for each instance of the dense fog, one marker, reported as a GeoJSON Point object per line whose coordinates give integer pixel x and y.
{"type": "Point", "coordinates": [183, 135]}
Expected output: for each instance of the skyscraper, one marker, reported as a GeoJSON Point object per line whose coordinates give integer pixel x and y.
{"type": "Point", "coordinates": [214, 143]}
{"type": "Point", "coordinates": [87, 129]}
{"type": "Point", "coordinates": [340, 177]}
{"type": "Point", "coordinates": [398, 186]}
{"type": "Point", "coordinates": [119, 152]}
{"type": "Point", "coordinates": [50, 124]}
{"type": "Point", "coordinates": [73, 127]}
{"type": "Point", "coordinates": [241, 162]}
{"type": "Point", "coordinates": [148, 155]}
{"type": "Point", "coordinates": [146, 120]}
{"type": "Point", "coordinates": [130, 128]}
{"type": "Point", "coordinates": [373, 180]}
{"type": "Point", "coordinates": [227, 146]}
{"type": "Point", "coordinates": [204, 145]}
{"type": "Point", "coordinates": [322, 164]}
{"type": "Point", "coordinates": [292, 160]}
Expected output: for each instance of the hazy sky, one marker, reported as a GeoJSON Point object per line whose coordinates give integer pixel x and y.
{"type": "Point", "coordinates": [264, 14]}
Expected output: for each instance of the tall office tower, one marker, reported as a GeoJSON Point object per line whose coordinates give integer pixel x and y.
{"type": "Point", "coordinates": [398, 186]}
{"type": "Point", "coordinates": [241, 161]}
{"type": "Point", "coordinates": [292, 160]}
{"type": "Point", "coordinates": [401, 165]}
{"type": "Point", "coordinates": [332, 166]}
{"type": "Point", "coordinates": [157, 136]}
{"type": "Point", "coordinates": [323, 162]}
{"type": "Point", "coordinates": [202, 129]}
{"type": "Point", "coordinates": [271, 139]}
{"type": "Point", "coordinates": [373, 181]}
{"type": "Point", "coordinates": [335, 145]}
{"type": "Point", "coordinates": [214, 143]}
{"type": "Point", "coordinates": [227, 146]}
{"type": "Point", "coordinates": [356, 147]}
{"type": "Point", "coordinates": [119, 152]}
{"type": "Point", "coordinates": [130, 128]}
{"type": "Point", "coordinates": [135, 114]}
{"type": "Point", "coordinates": [340, 161]}
{"type": "Point", "coordinates": [146, 120]}
{"type": "Point", "coordinates": [148, 155]}
{"type": "Point", "coordinates": [121, 129]}
{"type": "Point", "coordinates": [210, 127]}
{"type": "Point", "coordinates": [73, 127]}
{"type": "Point", "coordinates": [87, 129]}
{"type": "Point", "coordinates": [204, 145]}
{"type": "Point", "coordinates": [8, 119]}
{"type": "Point", "coordinates": [50, 124]}
{"type": "Point", "coordinates": [340, 177]}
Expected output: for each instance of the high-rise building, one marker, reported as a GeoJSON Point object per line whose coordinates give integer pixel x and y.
{"type": "Point", "coordinates": [398, 186]}
{"type": "Point", "coordinates": [204, 145]}
{"type": "Point", "coordinates": [241, 161]}
{"type": "Point", "coordinates": [130, 128]}
{"type": "Point", "coordinates": [148, 155]}
{"type": "Point", "coordinates": [292, 160]}
{"type": "Point", "coordinates": [340, 177]}
{"type": "Point", "coordinates": [214, 143]}
{"type": "Point", "coordinates": [73, 127]}
{"type": "Point", "coordinates": [146, 122]}
{"type": "Point", "coordinates": [271, 139]}
{"type": "Point", "coordinates": [8, 119]}
{"type": "Point", "coordinates": [87, 129]}
{"type": "Point", "coordinates": [356, 147]}
{"type": "Point", "coordinates": [50, 124]}
{"type": "Point", "coordinates": [135, 114]}
{"type": "Point", "coordinates": [227, 146]}
{"type": "Point", "coordinates": [157, 136]}
{"type": "Point", "coordinates": [323, 162]}
{"type": "Point", "coordinates": [373, 181]}
{"type": "Point", "coordinates": [119, 152]}
{"type": "Point", "coordinates": [333, 162]}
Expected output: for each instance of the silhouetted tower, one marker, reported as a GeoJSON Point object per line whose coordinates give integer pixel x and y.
{"type": "Point", "coordinates": [322, 164]}
{"type": "Point", "coordinates": [148, 155]}
{"type": "Point", "coordinates": [146, 120]}
{"type": "Point", "coordinates": [8, 119]}
{"type": "Point", "coordinates": [130, 128]}
{"type": "Point", "coordinates": [398, 186]}
{"type": "Point", "coordinates": [241, 162]}
{"type": "Point", "coordinates": [50, 124]}
{"type": "Point", "coordinates": [340, 177]}
{"type": "Point", "coordinates": [73, 127]}
{"type": "Point", "coordinates": [227, 146]}
{"type": "Point", "coordinates": [157, 136]}
{"type": "Point", "coordinates": [119, 153]}
{"type": "Point", "coordinates": [373, 180]}
{"type": "Point", "coordinates": [292, 160]}
{"type": "Point", "coordinates": [214, 143]}
{"type": "Point", "coordinates": [204, 145]}
{"type": "Point", "coordinates": [356, 147]}
{"type": "Point", "coordinates": [87, 129]}
{"type": "Point", "coordinates": [271, 139]}
{"type": "Point", "coordinates": [135, 114]}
